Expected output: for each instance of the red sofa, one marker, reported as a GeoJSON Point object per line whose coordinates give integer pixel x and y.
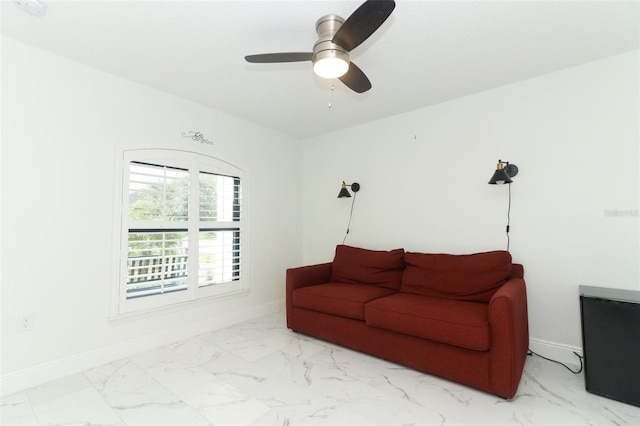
{"type": "Point", "coordinates": [461, 317]}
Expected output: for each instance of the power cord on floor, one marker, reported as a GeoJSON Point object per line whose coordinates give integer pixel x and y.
{"type": "Point", "coordinates": [558, 362]}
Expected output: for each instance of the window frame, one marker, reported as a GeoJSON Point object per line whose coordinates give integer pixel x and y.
{"type": "Point", "coordinates": [194, 162]}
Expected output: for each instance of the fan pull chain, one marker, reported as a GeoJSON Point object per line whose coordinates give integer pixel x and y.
{"type": "Point", "coordinates": [331, 96]}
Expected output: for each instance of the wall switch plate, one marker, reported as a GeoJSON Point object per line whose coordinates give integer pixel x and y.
{"type": "Point", "coordinates": [25, 322]}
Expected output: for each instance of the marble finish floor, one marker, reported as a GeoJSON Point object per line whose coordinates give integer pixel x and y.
{"type": "Point", "coordinates": [260, 373]}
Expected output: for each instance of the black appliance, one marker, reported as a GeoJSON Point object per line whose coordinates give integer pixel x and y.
{"type": "Point", "coordinates": [611, 342]}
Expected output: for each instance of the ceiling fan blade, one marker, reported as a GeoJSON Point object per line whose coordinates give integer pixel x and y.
{"type": "Point", "coordinates": [271, 58]}
{"type": "Point", "coordinates": [363, 22]}
{"type": "Point", "coordinates": [355, 79]}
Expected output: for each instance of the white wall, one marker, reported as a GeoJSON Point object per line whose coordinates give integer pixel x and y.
{"type": "Point", "coordinates": [61, 122]}
{"type": "Point", "coordinates": [574, 134]}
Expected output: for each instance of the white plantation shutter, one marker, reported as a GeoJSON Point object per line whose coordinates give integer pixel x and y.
{"type": "Point", "coordinates": [157, 257]}
{"type": "Point", "coordinates": [159, 268]}
{"type": "Point", "coordinates": [158, 193]}
{"type": "Point", "coordinates": [220, 197]}
{"type": "Point", "coordinates": [219, 259]}
{"type": "Point", "coordinates": [219, 241]}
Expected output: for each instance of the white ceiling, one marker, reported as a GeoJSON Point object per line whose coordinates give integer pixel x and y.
{"type": "Point", "coordinates": [427, 52]}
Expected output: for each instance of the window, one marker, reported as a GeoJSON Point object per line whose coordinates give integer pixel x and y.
{"type": "Point", "coordinates": [182, 229]}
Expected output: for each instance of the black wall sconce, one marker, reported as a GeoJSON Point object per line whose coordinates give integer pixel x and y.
{"type": "Point", "coordinates": [344, 192]}
{"type": "Point", "coordinates": [503, 174]}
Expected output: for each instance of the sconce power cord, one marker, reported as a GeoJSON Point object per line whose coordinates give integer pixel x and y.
{"type": "Point", "coordinates": [530, 352]}
{"type": "Point", "coordinates": [509, 218]}
{"type": "Point", "coordinates": [353, 201]}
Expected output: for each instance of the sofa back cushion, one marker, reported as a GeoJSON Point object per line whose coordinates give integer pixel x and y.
{"type": "Point", "coordinates": [373, 267]}
{"type": "Point", "coordinates": [461, 277]}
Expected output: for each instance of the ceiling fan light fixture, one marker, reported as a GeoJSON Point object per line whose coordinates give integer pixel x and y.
{"type": "Point", "coordinates": [331, 64]}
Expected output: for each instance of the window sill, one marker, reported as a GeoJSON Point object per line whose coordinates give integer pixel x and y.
{"type": "Point", "coordinates": [162, 310]}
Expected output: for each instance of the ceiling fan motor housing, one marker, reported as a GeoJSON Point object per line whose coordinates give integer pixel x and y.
{"type": "Point", "coordinates": [326, 27]}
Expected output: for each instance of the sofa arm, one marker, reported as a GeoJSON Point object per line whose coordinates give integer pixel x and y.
{"type": "Point", "coordinates": [302, 277]}
{"type": "Point", "coordinates": [509, 325]}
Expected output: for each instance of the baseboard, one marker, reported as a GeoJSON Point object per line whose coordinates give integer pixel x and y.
{"type": "Point", "coordinates": [556, 351]}
{"type": "Point", "coordinates": [43, 373]}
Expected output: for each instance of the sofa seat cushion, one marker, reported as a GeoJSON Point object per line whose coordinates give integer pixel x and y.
{"type": "Point", "coordinates": [345, 300]}
{"type": "Point", "coordinates": [459, 323]}
{"type": "Point", "coordinates": [456, 276]}
{"type": "Point", "coordinates": [356, 265]}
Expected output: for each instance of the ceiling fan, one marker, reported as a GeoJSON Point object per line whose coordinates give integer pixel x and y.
{"type": "Point", "coordinates": [336, 38]}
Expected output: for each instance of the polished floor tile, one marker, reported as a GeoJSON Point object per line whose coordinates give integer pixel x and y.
{"type": "Point", "coordinates": [260, 373]}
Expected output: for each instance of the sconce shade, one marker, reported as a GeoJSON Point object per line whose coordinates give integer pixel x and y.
{"type": "Point", "coordinates": [500, 176]}
{"type": "Point", "coordinates": [503, 174]}
{"type": "Point", "coordinates": [344, 192]}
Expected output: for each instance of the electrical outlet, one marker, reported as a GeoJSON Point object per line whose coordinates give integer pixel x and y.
{"type": "Point", "coordinates": [25, 322]}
